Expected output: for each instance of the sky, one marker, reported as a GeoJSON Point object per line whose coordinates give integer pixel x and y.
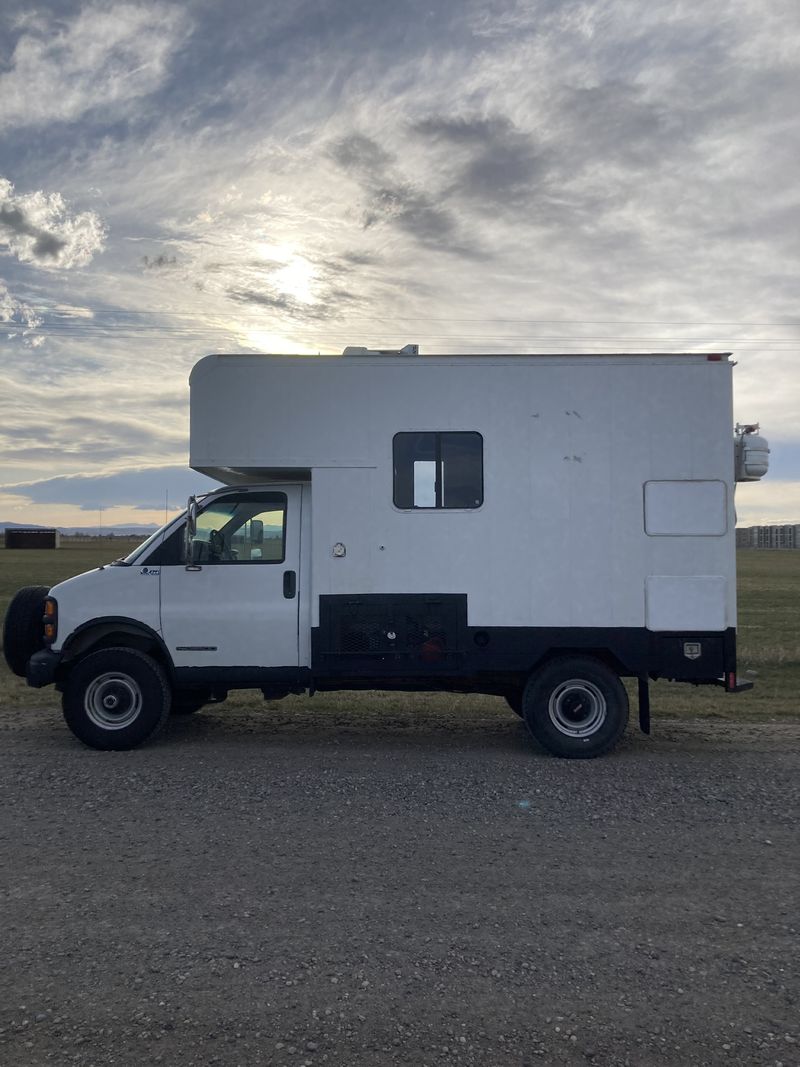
{"type": "Point", "coordinates": [299, 175]}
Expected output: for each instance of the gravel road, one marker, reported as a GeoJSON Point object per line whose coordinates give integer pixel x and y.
{"type": "Point", "coordinates": [271, 888]}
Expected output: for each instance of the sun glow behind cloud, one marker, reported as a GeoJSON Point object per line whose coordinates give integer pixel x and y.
{"type": "Point", "coordinates": [296, 280]}
{"type": "Point", "coordinates": [289, 273]}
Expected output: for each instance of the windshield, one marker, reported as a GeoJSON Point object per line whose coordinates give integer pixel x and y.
{"type": "Point", "coordinates": [151, 541]}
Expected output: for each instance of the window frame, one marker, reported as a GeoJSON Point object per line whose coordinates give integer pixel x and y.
{"type": "Point", "coordinates": [439, 504]}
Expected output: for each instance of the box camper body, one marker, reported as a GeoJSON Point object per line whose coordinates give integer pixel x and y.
{"type": "Point", "coordinates": [530, 526]}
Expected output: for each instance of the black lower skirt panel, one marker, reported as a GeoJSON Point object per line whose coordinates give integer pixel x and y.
{"type": "Point", "coordinates": [420, 641]}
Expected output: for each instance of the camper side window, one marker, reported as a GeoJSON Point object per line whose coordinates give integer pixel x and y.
{"type": "Point", "coordinates": [438, 470]}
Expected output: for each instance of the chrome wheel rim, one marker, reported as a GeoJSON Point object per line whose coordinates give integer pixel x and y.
{"type": "Point", "coordinates": [113, 700]}
{"type": "Point", "coordinates": [577, 708]}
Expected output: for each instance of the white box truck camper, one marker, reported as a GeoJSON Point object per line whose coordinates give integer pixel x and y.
{"type": "Point", "coordinates": [536, 527]}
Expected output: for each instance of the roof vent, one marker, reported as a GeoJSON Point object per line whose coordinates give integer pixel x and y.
{"type": "Point", "coordinates": [357, 350]}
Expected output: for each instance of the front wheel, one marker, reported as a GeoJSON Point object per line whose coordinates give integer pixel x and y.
{"type": "Point", "coordinates": [575, 707]}
{"type": "Point", "coordinates": [116, 699]}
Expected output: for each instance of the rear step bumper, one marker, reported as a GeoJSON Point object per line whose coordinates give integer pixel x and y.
{"type": "Point", "coordinates": [733, 685]}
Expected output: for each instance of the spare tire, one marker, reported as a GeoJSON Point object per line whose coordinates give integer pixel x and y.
{"type": "Point", "coordinates": [23, 629]}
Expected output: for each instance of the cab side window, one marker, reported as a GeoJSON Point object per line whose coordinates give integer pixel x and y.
{"type": "Point", "coordinates": [246, 529]}
{"type": "Point", "coordinates": [243, 528]}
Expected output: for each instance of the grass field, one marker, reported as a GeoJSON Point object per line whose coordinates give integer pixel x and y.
{"type": "Point", "coordinates": [769, 642]}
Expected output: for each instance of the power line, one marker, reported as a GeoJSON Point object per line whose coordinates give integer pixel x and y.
{"type": "Point", "coordinates": [385, 326]}
{"type": "Point", "coordinates": [67, 318]}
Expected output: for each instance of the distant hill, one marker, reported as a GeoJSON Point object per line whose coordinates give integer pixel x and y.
{"type": "Point", "coordinates": [120, 530]}
{"type": "Point", "coordinates": [132, 529]}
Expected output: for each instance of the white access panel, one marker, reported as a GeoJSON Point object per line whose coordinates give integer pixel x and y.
{"type": "Point", "coordinates": [685, 508]}
{"type": "Point", "coordinates": [685, 602]}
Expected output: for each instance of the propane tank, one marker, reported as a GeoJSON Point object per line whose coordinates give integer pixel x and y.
{"type": "Point", "coordinates": [751, 453]}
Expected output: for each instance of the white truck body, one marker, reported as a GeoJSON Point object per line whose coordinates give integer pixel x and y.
{"type": "Point", "coordinates": [455, 522]}
{"type": "Point", "coordinates": [608, 480]}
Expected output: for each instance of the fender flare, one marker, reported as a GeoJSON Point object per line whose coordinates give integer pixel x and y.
{"type": "Point", "coordinates": [89, 634]}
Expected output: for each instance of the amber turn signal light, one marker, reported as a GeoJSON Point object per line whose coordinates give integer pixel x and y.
{"type": "Point", "coordinates": [50, 620]}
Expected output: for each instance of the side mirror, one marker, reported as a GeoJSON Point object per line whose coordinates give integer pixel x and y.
{"type": "Point", "coordinates": [190, 530]}
{"type": "Point", "coordinates": [257, 531]}
{"type": "Point", "coordinates": [191, 517]}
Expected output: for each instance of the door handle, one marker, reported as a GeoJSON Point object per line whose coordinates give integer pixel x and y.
{"type": "Point", "coordinates": [289, 584]}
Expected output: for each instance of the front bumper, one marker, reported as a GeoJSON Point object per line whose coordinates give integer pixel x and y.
{"type": "Point", "coordinates": [42, 667]}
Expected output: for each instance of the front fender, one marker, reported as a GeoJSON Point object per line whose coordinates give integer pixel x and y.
{"type": "Point", "coordinates": [111, 631]}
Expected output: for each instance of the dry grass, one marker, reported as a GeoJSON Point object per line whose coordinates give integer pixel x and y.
{"type": "Point", "coordinates": [769, 644]}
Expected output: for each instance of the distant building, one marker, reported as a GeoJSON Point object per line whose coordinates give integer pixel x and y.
{"type": "Point", "coordinates": [19, 537]}
{"type": "Point", "coordinates": [783, 536]}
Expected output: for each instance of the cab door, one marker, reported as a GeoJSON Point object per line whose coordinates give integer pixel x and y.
{"type": "Point", "coordinates": [235, 602]}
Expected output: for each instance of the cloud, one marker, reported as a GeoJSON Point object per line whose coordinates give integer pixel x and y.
{"type": "Point", "coordinates": [69, 311]}
{"type": "Point", "coordinates": [391, 199]}
{"type": "Point", "coordinates": [45, 245]}
{"type": "Point", "coordinates": [328, 303]}
{"type": "Point", "coordinates": [141, 489]}
{"type": "Point", "coordinates": [104, 59]}
{"type": "Point", "coordinates": [38, 228]}
{"type": "Point", "coordinates": [276, 301]}
{"type": "Point", "coordinates": [159, 262]}
{"type": "Point", "coordinates": [104, 438]}
{"type": "Point", "coordinates": [496, 164]}
{"type": "Point", "coordinates": [14, 312]}
{"type": "Point", "coordinates": [411, 210]}
{"type": "Point", "coordinates": [67, 412]}
{"type": "Point", "coordinates": [360, 154]}
{"type": "Point", "coordinates": [767, 502]}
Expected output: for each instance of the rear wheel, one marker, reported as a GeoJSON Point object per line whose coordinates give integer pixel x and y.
{"type": "Point", "coordinates": [576, 707]}
{"type": "Point", "coordinates": [116, 699]}
{"type": "Point", "coordinates": [23, 629]}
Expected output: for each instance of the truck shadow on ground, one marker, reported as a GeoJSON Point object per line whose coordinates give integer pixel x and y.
{"type": "Point", "coordinates": [500, 730]}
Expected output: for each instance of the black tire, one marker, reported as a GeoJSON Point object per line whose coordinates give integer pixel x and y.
{"type": "Point", "coordinates": [116, 699]}
{"type": "Point", "coordinates": [576, 707]}
{"type": "Point", "coordinates": [23, 629]}
{"type": "Point", "coordinates": [188, 701]}
{"type": "Point", "coordinates": [514, 701]}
